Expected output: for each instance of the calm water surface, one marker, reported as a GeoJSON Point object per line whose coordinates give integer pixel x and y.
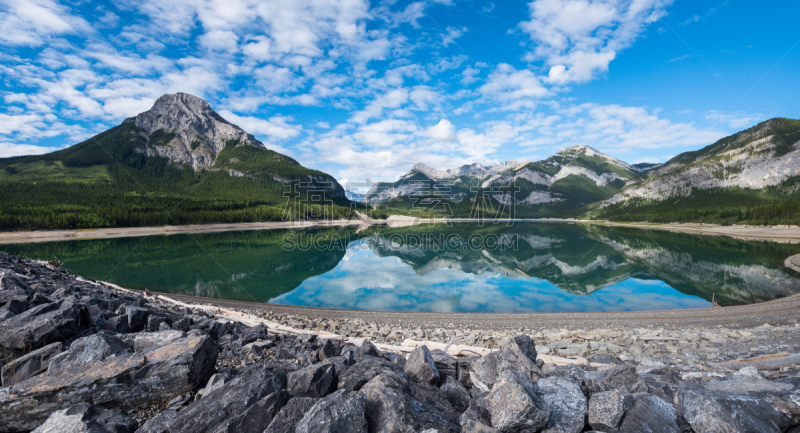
{"type": "Point", "coordinates": [544, 267]}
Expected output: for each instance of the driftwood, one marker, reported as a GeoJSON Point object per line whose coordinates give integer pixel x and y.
{"type": "Point", "coordinates": [768, 362]}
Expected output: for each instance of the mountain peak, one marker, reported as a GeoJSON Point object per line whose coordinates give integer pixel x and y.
{"type": "Point", "coordinates": [191, 132]}
{"type": "Point", "coordinates": [181, 101]}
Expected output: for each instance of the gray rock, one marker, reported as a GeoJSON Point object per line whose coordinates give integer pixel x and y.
{"type": "Point", "coordinates": [225, 404]}
{"type": "Point", "coordinates": [456, 394]}
{"type": "Point", "coordinates": [515, 355]}
{"type": "Point", "coordinates": [572, 371]}
{"type": "Point", "coordinates": [259, 347]}
{"type": "Point", "coordinates": [146, 340]}
{"type": "Point", "coordinates": [476, 419]}
{"type": "Point", "coordinates": [714, 411]}
{"type": "Point", "coordinates": [216, 381]}
{"type": "Point", "coordinates": [397, 404]}
{"type": "Point", "coordinates": [514, 405]}
{"type": "Point", "coordinates": [464, 363]}
{"type": "Point", "coordinates": [650, 414]}
{"type": "Point", "coordinates": [328, 350]}
{"type": "Point", "coordinates": [524, 345]}
{"type": "Point", "coordinates": [29, 365]}
{"type": "Point", "coordinates": [367, 349]}
{"type": "Point", "coordinates": [420, 366]}
{"type": "Point", "coordinates": [158, 423]}
{"type": "Point", "coordinates": [340, 412]}
{"type": "Point", "coordinates": [566, 402]}
{"type": "Point", "coordinates": [607, 408]}
{"type": "Point", "coordinates": [290, 415]}
{"type": "Point", "coordinates": [154, 322]}
{"type": "Point", "coordinates": [363, 371]}
{"type": "Point", "coordinates": [5, 314]}
{"type": "Point", "coordinates": [446, 364]}
{"type": "Point", "coordinates": [314, 381]}
{"type": "Point", "coordinates": [83, 418]}
{"type": "Point", "coordinates": [41, 325]}
{"type": "Point", "coordinates": [93, 348]}
{"type": "Point", "coordinates": [619, 377]}
{"type": "Point", "coordinates": [137, 317]}
{"type": "Point", "coordinates": [126, 381]}
{"type": "Point", "coordinates": [118, 324]}
{"type": "Point", "coordinates": [257, 417]}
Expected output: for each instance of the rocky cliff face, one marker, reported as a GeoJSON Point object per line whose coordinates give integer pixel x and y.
{"type": "Point", "coordinates": [184, 129]}
{"type": "Point", "coordinates": [765, 155]}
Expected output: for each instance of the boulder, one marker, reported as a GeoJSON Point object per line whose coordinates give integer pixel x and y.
{"type": "Point", "coordinates": [5, 314]}
{"type": "Point", "coordinates": [622, 376]}
{"type": "Point", "coordinates": [328, 350]}
{"type": "Point", "coordinates": [29, 365]}
{"type": "Point", "coordinates": [340, 412]}
{"type": "Point", "coordinates": [137, 317]}
{"type": "Point", "coordinates": [367, 349]}
{"type": "Point", "coordinates": [518, 354]}
{"type": "Point", "coordinates": [572, 371]}
{"type": "Point", "coordinates": [257, 417]}
{"type": "Point", "coordinates": [514, 405]}
{"type": "Point", "coordinates": [456, 394]}
{"type": "Point", "coordinates": [566, 402]}
{"type": "Point", "coordinates": [41, 325]}
{"type": "Point", "coordinates": [225, 407]}
{"type": "Point", "coordinates": [118, 324]}
{"type": "Point", "coordinates": [707, 410]}
{"type": "Point", "coordinates": [477, 419]}
{"type": "Point", "coordinates": [314, 381]}
{"type": "Point", "coordinates": [650, 414]}
{"type": "Point", "coordinates": [154, 322]}
{"type": "Point", "coordinates": [146, 340]}
{"type": "Point", "coordinates": [420, 366]}
{"type": "Point", "coordinates": [397, 404]}
{"type": "Point", "coordinates": [363, 371]}
{"type": "Point", "coordinates": [607, 408]}
{"type": "Point", "coordinates": [86, 418]}
{"type": "Point", "coordinates": [93, 348]}
{"type": "Point", "coordinates": [290, 415]}
{"type": "Point", "coordinates": [216, 381]}
{"type": "Point", "coordinates": [126, 381]}
{"type": "Point", "coordinates": [446, 364]}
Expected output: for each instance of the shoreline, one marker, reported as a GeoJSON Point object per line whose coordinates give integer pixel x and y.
{"type": "Point", "coordinates": [782, 311]}
{"type": "Point", "coordinates": [781, 234]}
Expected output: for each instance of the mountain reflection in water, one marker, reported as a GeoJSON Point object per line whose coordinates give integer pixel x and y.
{"type": "Point", "coordinates": [463, 267]}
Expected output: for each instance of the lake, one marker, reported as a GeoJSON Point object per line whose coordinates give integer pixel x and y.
{"type": "Point", "coordinates": [464, 267]}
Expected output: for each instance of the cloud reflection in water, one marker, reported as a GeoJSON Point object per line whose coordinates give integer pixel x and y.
{"type": "Point", "coordinates": [365, 281]}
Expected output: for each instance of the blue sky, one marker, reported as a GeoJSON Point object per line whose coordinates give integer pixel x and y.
{"type": "Point", "coordinates": [366, 90]}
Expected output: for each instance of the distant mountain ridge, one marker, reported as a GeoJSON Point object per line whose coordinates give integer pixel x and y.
{"type": "Point", "coordinates": [572, 178]}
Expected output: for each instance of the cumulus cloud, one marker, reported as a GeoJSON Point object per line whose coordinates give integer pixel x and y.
{"type": "Point", "coordinates": [578, 39]}
{"type": "Point", "coordinates": [442, 131]}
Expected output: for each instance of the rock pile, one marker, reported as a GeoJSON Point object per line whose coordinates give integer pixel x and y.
{"type": "Point", "coordinates": [83, 357]}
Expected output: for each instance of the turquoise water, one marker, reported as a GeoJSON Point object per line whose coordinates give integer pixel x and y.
{"type": "Point", "coordinates": [541, 267]}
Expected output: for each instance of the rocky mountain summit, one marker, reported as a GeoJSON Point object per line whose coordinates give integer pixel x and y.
{"type": "Point", "coordinates": [764, 156]}
{"type": "Point", "coordinates": [188, 131]}
{"type": "Point", "coordinates": [84, 356]}
{"type": "Point", "coordinates": [572, 178]}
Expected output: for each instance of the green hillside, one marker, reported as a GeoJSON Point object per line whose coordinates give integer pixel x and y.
{"type": "Point", "coordinates": [108, 181]}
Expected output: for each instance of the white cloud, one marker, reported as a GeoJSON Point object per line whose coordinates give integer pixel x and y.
{"type": "Point", "coordinates": [276, 127]}
{"type": "Point", "coordinates": [513, 88]}
{"type": "Point", "coordinates": [8, 150]}
{"type": "Point", "coordinates": [578, 39]}
{"type": "Point", "coordinates": [453, 33]}
{"type": "Point", "coordinates": [32, 22]}
{"type": "Point", "coordinates": [735, 121]}
{"type": "Point", "coordinates": [442, 131]}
